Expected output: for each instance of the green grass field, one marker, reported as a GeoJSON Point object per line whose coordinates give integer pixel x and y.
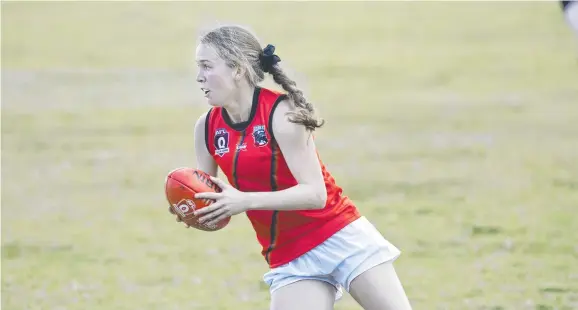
{"type": "Point", "coordinates": [453, 125]}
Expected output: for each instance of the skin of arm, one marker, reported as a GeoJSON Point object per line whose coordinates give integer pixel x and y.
{"type": "Point", "coordinates": [205, 161]}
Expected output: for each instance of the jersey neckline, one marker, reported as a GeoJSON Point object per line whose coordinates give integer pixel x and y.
{"type": "Point", "coordinates": [241, 126]}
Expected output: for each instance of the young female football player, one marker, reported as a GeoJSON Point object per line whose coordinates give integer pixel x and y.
{"type": "Point", "coordinates": [312, 236]}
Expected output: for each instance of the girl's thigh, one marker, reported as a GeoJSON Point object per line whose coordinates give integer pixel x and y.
{"type": "Point", "coordinates": [304, 294]}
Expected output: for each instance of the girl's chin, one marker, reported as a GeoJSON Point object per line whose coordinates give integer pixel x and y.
{"type": "Point", "coordinates": [214, 103]}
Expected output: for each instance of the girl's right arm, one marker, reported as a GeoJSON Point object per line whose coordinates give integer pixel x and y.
{"type": "Point", "coordinates": [205, 161]}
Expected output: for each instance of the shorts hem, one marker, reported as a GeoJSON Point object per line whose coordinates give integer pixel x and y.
{"type": "Point", "coordinates": [337, 287]}
{"type": "Point", "coordinates": [365, 267]}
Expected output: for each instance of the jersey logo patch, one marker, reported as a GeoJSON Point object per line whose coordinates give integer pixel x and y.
{"type": "Point", "coordinates": [221, 142]}
{"type": "Point", "coordinates": [260, 135]}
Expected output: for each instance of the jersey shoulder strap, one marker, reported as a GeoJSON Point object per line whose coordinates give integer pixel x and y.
{"type": "Point", "coordinates": [269, 100]}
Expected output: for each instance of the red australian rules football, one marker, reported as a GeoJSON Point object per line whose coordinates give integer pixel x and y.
{"type": "Point", "coordinates": [181, 185]}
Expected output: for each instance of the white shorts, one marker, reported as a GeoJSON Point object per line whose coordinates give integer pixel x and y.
{"type": "Point", "coordinates": [351, 251]}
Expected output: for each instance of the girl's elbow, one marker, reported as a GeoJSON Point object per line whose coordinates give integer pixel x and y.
{"type": "Point", "coordinates": [320, 199]}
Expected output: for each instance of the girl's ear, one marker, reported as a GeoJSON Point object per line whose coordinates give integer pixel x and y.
{"type": "Point", "coordinates": [238, 73]}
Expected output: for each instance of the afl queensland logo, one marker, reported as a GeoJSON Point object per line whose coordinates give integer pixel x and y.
{"type": "Point", "coordinates": [260, 135]}
{"type": "Point", "coordinates": [221, 142]}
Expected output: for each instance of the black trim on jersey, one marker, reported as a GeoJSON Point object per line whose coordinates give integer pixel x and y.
{"type": "Point", "coordinates": [273, 173]}
{"type": "Point", "coordinates": [236, 160]}
{"type": "Point", "coordinates": [279, 99]}
{"type": "Point", "coordinates": [273, 238]}
{"type": "Point", "coordinates": [243, 125]}
{"type": "Point", "coordinates": [275, 216]}
{"type": "Point", "coordinates": [207, 119]}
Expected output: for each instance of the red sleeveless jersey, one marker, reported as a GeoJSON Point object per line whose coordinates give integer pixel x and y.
{"type": "Point", "coordinates": [249, 156]}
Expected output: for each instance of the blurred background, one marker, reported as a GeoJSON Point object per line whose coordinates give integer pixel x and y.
{"type": "Point", "coordinates": [452, 125]}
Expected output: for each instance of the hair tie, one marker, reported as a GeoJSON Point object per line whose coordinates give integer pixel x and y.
{"type": "Point", "coordinates": [268, 59]}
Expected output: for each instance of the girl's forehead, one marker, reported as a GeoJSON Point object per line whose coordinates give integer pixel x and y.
{"type": "Point", "coordinates": [206, 52]}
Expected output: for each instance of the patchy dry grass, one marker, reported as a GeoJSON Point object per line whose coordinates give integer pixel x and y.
{"type": "Point", "coordinates": [452, 125]}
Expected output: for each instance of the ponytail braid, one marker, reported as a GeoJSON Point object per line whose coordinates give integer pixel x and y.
{"type": "Point", "coordinates": [304, 112]}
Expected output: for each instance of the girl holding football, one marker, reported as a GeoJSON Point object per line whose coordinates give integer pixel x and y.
{"type": "Point", "coordinates": [313, 238]}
